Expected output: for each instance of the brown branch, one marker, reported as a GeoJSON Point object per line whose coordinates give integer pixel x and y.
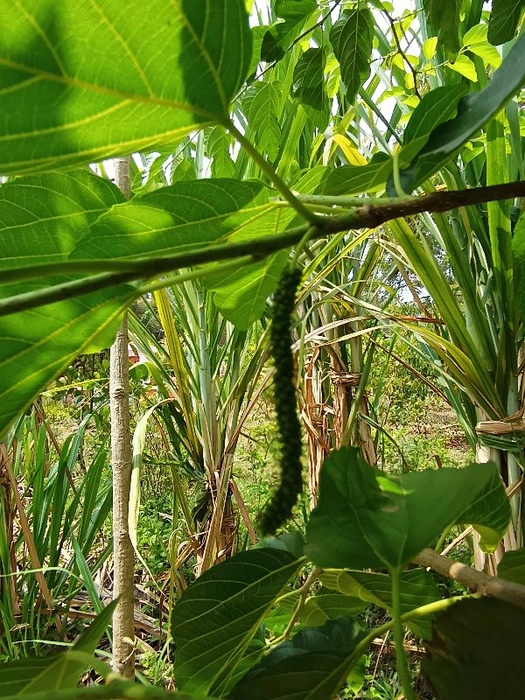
{"type": "Point", "coordinates": [366, 216]}
{"type": "Point", "coordinates": [476, 581]}
{"type": "Point", "coordinates": [371, 216]}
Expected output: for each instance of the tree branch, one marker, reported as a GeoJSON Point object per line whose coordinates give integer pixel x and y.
{"type": "Point", "coordinates": [476, 581]}
{"type": "Point", "coordinates": [364, 216]}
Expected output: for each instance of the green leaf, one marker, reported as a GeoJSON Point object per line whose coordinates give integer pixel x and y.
{"type": "Point", "coordinates": [357, 179]}
{"type": "Point", "coordinates": [489, 513]}
{"type": "Point", "coordinates": [241, 295]}
{"type": "Point", "coordinates": [351, 38]}
{"type": "Point", "coordinates": [329, 606]}
{"type": "Point", "coordinates": [473, 642]}
{"type": "Point", "coordinates": [504, 19]}
{"type": "Point", "coordinates": [24, 677]}
{"type": "Point", "coordinates": [367, 520]}
{"type": "Point", "coordinates": [184, 171]}
{"type": "Point", "coordinates": [464, 66]}
{"type": "Point", "coordinates": [512, 566]}
{"type": "Point", "coordinates": [475, 40]}
{"type": "Point", "coordinates": [436, 107]}
{"type": "Point", "coordinates": [219, 613]}
{"type": "Point", "coordinates": [43, 218]}
{"type": "Point", "coordinates": [85, 83]}
{"type": "Point", "coordinates": [445, 18]}
{"type": "Point", "coordinates": [308, 78]}
{"type": "Point", "coordinates": [313, 665]}
{"type": "Point", "coordinates": [279, 37]}
{"type": "Point", "coordinates": [295, 10]}
{"type": "Point", "coordinates": [218, 144]}
{"type": "Point", "coordinates": [417, 588]}
{"type": "Point", "coordinates": [488, 53]}
{"type": "Point", "coordinates": [172, 219]}
{"type": "Point", "coordinates": [474, 111]}
{"type": "Point", "coordinates": [262, 117]}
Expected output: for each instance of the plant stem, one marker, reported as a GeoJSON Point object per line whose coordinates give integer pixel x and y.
{"type": "Point", "coordinates": [303, 594]}
{"type": "Point", "coordinates": [199, 273]}
{"type": "Point", "coordinates": [399, 633]}
{"type": "Point", "coordinates": [274, 178]}
{"type": "Point", "coordinates": [363, 217]}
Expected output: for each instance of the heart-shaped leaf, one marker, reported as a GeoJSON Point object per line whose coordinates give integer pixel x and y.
{"type": "Point", "coordinates": [365, 519]}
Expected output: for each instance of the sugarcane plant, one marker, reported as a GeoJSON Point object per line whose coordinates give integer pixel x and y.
{"type": "Point", "coordinates": [285, 102]}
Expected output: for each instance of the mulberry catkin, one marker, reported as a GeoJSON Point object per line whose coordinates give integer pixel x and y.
{"type": "Point", "coordinates": [279, 507]}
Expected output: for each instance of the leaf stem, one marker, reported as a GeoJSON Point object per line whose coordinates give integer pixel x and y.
{"type": "Point", "coordinates": [303, 594]}
{"type": "Point", "coordinates": [274, 178]}
{"type": "Point", "coordinates": [198, 273]}
{"type": "Point", "coordinates": [403, 670]}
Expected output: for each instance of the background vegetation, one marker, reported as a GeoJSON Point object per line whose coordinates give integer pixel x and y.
{"type": "Point", "coordinates": [380, 151]}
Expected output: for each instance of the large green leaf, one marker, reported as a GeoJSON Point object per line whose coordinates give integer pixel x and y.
{"type": "Point", "coordinates": [504, 19]}
{"type": "Point", "coordinates": [217, 616]}
{"type": "Point", "coordinates": [176, 218]}
{"type": "Point", "coordinates": [242, 294]}
{"type": "Point", "coordinates": [367, 520]}
{"type": "Point", "coordinates": [474, 111]}
{"type": "Point", "coordinates": [313, 665]}
{"type": "Point", "coordinates": [351, 38]}
{"type": "Point", "coordinates": [24, 677]}
{"type": "Point", "coordinates": [417, 588]}
{"type": "Point", "coordinates": [80, 80]}
{"type": "Point", "coordinates": [436, 107]}
{"type": "Point", "coordinates": [42, 218]}
{"type": "Point", "coordinates": [477, 651]}
{"type": "Point", "coordinates": [445, 18]}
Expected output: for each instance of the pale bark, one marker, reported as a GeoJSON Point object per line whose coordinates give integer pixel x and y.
{"type": "Point", "coordinates": [123, 554]}
{"type": "Point", "coordinates": [476, 581]}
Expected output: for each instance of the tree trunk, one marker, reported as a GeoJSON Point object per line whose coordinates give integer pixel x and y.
{"type": "Point", "coordinates": [123, 554]}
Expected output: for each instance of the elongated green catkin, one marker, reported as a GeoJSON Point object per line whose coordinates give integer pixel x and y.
{"type": "Point", "coordinates": [279, 507]}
